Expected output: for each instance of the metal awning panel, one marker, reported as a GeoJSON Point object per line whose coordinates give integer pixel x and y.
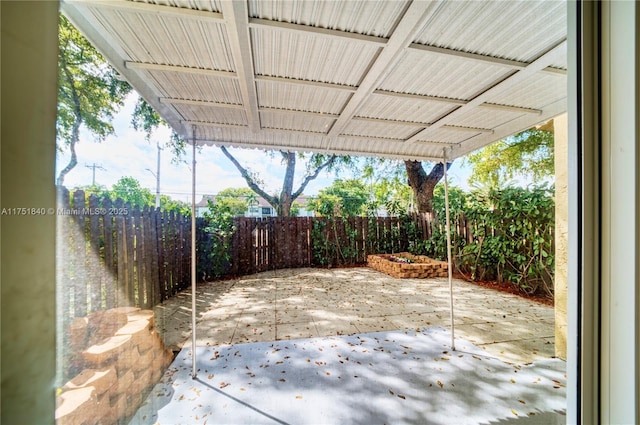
{"type": "Point", "coordinates": [355, 16]}
{"type": "Point", "coordinates": [201, 113]}
{"type": "Point", "coordinates": [278, 119]}
{"type": "Point", "coordinates": [396, 106]}
{"type": "Point", "coordinates": [180, 85]}
{"type": "Point", "coordinates": [400, 79]}
{"type": "Point", "coordinates": [300, 97]}
{"type": "Point", "coordinates": [451, 77]}
{"type": "Point", "coordinates": [540, 89]}
{"type": "Point", "coordinates": [309, 57]}
{"type": "Point", "coordinates": [497, 29]}
{"type": "Point", "coordinates": [165, 39]}
{"type": "Point", "coordinates": [488, 118]}
{"type": "Point", "coordinates": [366, 127]}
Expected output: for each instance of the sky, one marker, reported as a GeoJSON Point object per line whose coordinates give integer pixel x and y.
{"type": "Point", "coordinates": [129, 154]}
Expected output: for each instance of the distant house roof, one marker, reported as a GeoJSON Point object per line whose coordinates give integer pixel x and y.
{"type": "Point", "coordinates": [203, 202]}
{"type": "Point", "coordinates": [302, 200]}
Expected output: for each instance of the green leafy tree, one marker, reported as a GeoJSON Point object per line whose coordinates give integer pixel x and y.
{"type": "Point", "coordinates": [89, 93]}
{"type": "Point", "coordinates": [129, 190]}
{"type": "Point", "coordinates": [169, 204]}
{"type": "Point", "coordinates": [237, 199]}
{"type": "Point", "coordinates": [283, 201]}
{"type": "Point", "coordinates": [344, 198]}
{"type": "Point", "coordinates": [529, 154]}
{"type": "Point", "coordinates": [295, 209]}
{"type": "Point", "coordinates": [97, 190]}
{"type": "Point", "coordinates": [220, 228]}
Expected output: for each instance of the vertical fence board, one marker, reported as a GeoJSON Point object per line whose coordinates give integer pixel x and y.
{"type": "Point", "coordinates": [110, 256]}
{"type": "Point", "coordinates": [65, 246]}
{"type": "Point", "coordinates": [95, 255]}
{"type": "Point", "coordinates": [78, 261]}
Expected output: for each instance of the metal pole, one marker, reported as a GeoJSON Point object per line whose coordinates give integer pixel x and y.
{"type": "Point", "coordinates": [193, 258]}
{"type": "Point", "coordinates": [158, 178]}
{"type": "Point", "coordinates": [449, 265]}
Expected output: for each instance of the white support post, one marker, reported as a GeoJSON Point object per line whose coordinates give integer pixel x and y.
{"type": "Point", "coordinates": [449, 262]}
{"type": "Point", "coordinates": [193, 258]}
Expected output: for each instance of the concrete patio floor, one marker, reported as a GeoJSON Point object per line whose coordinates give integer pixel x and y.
{"type": "Point", "coordinates": [318, 346]}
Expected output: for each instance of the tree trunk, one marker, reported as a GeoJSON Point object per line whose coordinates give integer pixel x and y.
{"type": "Point", "coordinates": [75, 130]}
{"type": "Point", "coordinates": [286, 199]}
{"type": "Point", "coordinates": [423, 184]}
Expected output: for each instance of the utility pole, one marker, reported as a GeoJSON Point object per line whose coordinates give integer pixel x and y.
{"type": "Point", "coordinates": [94, 166]}
{"type": "Point", "coordinates": [157, 176]}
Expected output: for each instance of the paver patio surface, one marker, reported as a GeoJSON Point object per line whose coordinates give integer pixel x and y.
{"type": "Point", "coordinates": [303, 303]}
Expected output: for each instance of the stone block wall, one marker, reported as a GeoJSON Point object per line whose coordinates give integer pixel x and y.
{"type": "Point", "coordinates": [120, 357]}
{"type": "Point", "coordinates": [421, 267]}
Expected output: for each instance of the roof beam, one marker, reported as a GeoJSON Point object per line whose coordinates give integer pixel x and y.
{"type": "Point", "coordinates": [512, 64]}
{"type": "Point", "coordinates": [213, 124]}
{"type": "Point", "coordinates": [174, 68]}
{"type": "Point", "coordinates": [516, 78]}
{"type": "Point", "coordinates": [466, 55]}
{"type": "Point", "coordinates": [411, 23]}
{"type": "Point", "coordinates": [316, 31]}
{"type": "Point", "coordinates": [174, 101]}
{"type": "Point", "coordinates": [157, 9]}
{"type": "Point", "coordinates": [237, 24]}
{"type": "Point", "coordinates": [300, 113]}
{"type": "Point", "coordinates": [468, 129]}
{"type": "Point", "coordinates": [319, 84]}
{"type": "Point", "coordinates": [511, 108]}
{"type": "Point", "coordinates": [421, 97]}
{"type": "Point", "coordinates": [389, 121]}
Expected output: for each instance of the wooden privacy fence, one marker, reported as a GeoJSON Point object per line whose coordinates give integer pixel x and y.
{"type": "Point", "coordinates": [260, 244]}
{"type": "Point", "coordinates": [111, 254]}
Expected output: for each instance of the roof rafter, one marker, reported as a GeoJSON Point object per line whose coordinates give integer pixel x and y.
{"type": "Point", "coordinates": [173, 101]}
{"type": "Point", "coordinates": [317, 31]}
{"type": "Point", "coordinates": [512, 64]}
{"type": "Point", "coordinates": [185, 69]}
{"type": "Point", "coordinates": [320, 84]}
{"type": "Point", "coordinates": [237, 24]}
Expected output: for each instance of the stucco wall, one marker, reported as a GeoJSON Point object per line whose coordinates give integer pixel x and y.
{"type": "Point", "coordinates": [29, 76]}
{"type": "Point", "coordinates": [560, 129]}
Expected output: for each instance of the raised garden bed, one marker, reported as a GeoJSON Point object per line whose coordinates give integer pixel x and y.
{"type": "Point", "coordinates": [405, 265]}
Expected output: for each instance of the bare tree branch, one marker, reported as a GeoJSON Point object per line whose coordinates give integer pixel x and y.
{"type": "Point", "coordinates": [313, 176]}
{"type": "Point", "coordinates": [247, 177]}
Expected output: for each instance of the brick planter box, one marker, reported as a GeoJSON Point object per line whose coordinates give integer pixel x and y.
{"type": "Point", "coordinates": [420, 267]}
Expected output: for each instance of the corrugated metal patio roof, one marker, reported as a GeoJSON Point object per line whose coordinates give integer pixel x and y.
{"type": "Point", "coordinates": [396, 79]}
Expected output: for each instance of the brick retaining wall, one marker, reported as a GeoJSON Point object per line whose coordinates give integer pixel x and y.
{"type": "Point", "coordinates": [121, 357]}
{"type": "Point", "coordinates": [421, 267]}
